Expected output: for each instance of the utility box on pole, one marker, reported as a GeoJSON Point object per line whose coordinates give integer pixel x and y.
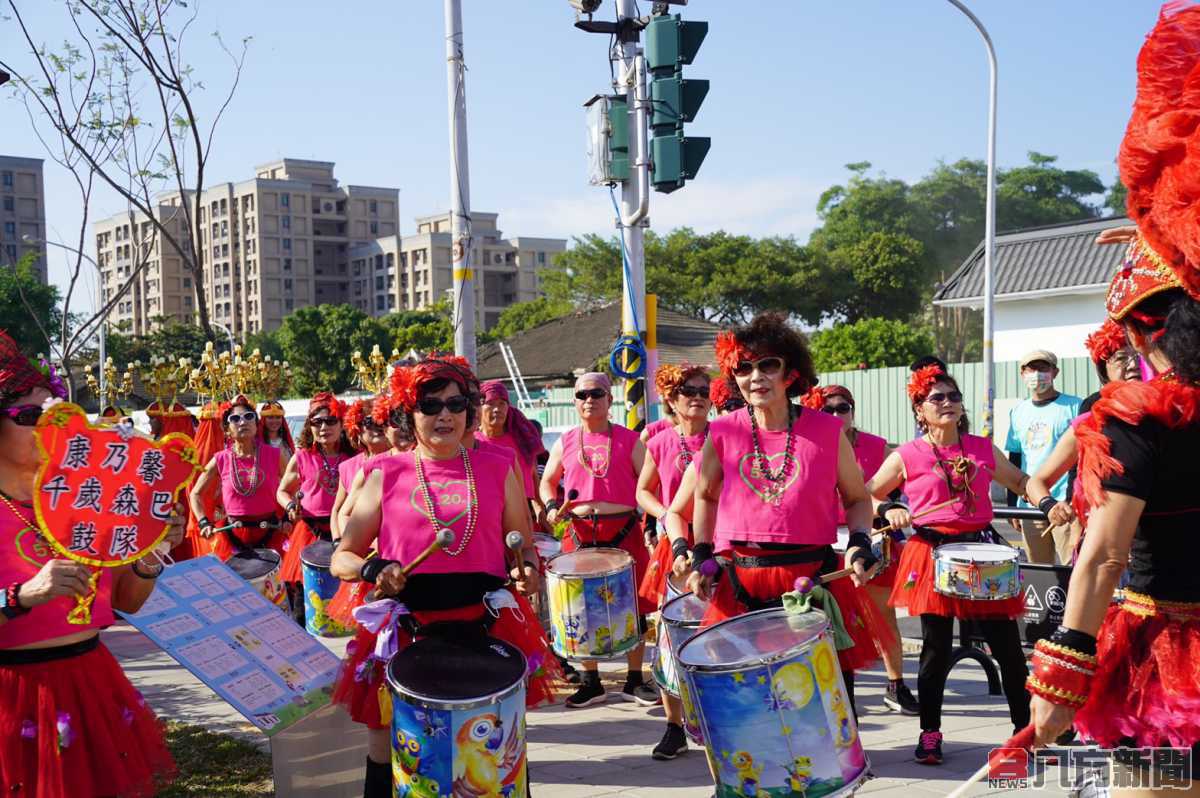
{"type": "Point", "coordinates": [607, 139]}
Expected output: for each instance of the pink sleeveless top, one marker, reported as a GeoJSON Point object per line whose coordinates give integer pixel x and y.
{"type": "Point", "coordinates": [655, 427]}
{"type": "Point", "coordinates": [23, 552]}
{"type": "Point", "coordinates": [612, 476]}
{"type": "Point", "coordinates": [318, 482]}
{"type": "Point", "coordinates": [262, 501]}
{"type": "Point", "coordinates": [405, 529]}
{"type": "Point", "coordinates": [349, 469]}
{"type": "Point", "coordinates": [670, 460]}
{"type": "Point", "coordinates": [869, 452]}
{"type": "Point", "coordinates": [925, 484]}
{"type": "Point", "coordinates": [506, 441]}
{"type": "Point", "coordinates": [803, 514]}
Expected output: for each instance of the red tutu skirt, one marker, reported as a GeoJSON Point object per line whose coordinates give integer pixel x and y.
{"type": "Point", "coordinates": [292, 570]}
{"type": "Point", "coordinates": [350, 595]}
{"type": "Point", "coordinates": [1147, 682]}
{"type": "Point", "coordinates": [77, 727]}
{"type": "Point", "coordinates": [913, 589]}
{"type": "Point", "coordinates": [360, 681]}
{"type": "Point", "coordinates": [248, 536]}
{"type": "Point", "coordinates": [863, 621]}
{"type": "Point", "coordinates": [606, 528]}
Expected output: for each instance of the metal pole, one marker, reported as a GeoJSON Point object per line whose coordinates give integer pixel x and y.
{"type": "Point", "coordinates": [460, 188]}
{"type": "Point", "coordinates": [989, 236]}
{"type": "Point", "coordinates": [631, 83]}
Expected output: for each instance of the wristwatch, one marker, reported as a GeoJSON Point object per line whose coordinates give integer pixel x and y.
{"type": "Point", "coordinates": [10, 602]}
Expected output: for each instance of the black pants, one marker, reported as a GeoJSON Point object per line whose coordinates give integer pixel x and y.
{"type": "Point", "coordinates": [937, 633]}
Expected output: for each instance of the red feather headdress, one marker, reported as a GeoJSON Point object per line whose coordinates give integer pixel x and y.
{"type": "Point", "coordinates": [923, 380]}
{"type": "Point", "coordinates": [1105, 341]}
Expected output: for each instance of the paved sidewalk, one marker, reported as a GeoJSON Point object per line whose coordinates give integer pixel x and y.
{"type": "Point", "coordinates": [605, 750]}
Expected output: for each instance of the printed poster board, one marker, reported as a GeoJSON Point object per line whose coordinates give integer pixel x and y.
{"type": "Point", "coordinates": [253, 655]}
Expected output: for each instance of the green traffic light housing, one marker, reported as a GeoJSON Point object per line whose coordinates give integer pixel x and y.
{"type": "Point", "coordinates": [677, 159]}
{"type": "Point", "coordinates": [671, 44]}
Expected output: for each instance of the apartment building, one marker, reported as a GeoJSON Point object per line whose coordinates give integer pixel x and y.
{"type": "Point", "coordinates": [268, 245]}
{"type": "Point", "coordinates": [22, 212]}
{"type": "Point", "coordinates": [394, 273]}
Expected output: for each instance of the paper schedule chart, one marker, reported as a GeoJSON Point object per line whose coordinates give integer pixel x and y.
{"type": "Point", "coordinates": [250, 653]}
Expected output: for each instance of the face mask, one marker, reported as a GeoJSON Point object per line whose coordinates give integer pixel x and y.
{"type": "Point", "coordinates": [1037, 381]}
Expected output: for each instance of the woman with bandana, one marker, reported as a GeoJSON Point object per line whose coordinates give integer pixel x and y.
{"type": "Point", "coordinates": [946, 474]}
{"type": "Point", "coordinates": [71, 722]}
{"type": "Point", "coordinates": [398, 511]}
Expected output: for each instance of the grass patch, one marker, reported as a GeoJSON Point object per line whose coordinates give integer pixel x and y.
{"type": "Point", "coordinates": [213, 764]}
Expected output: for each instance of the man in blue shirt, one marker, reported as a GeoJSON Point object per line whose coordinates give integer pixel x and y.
{"type": "Point", "coordinates": [1034, 427]}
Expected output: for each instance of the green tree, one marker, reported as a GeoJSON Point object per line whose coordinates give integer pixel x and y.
{"type": "Point", "coordinates": [586, 275]}
{"type": "Point", "coordinates": [173, 340]}
{"type": "Point", "coordinates": [317, 342]}
{"type": "Point", "coordinates": [423, 330]}
{"type": "Point", "coordinates": [886, 270]}
{"type": "Point", "coordinates": [266, 342]}
{"type": "Point", "coordinates": [27, 307]}
{"type": "Point", "coordinates": [869, 343]}
{"type": "Point", "coordinates": [1041, 193]}
{"type": "Point", "coordinates": [1114, 200]}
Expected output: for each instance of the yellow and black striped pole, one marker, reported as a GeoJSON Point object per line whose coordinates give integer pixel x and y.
{"type": "Point", "coordinates": [636, 399]}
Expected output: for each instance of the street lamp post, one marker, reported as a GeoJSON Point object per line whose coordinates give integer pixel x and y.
{"type": "Point", "coordinates": [989, 235]}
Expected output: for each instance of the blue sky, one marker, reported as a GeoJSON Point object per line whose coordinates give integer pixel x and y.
{"type": "Point", "coordinates": [798, 90]}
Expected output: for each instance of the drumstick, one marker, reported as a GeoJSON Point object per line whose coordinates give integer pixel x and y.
{"type": "Point", "coordinates": [444, 538]}
{"type": "Point", "coordinates": [572, 495]}
{"type": "Point", "coordinates": [916, 515]}
{"type": "Point", "coordinates": [513, 541]}
{"type": "Point", "coordinates": [1022, 739]}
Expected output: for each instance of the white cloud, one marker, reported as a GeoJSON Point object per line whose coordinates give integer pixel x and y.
{"type": "Point", "coordinates": [771, 206]}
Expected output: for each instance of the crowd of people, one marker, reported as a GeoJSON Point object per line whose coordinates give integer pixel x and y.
{"type": "Point", "coordinates": [756, 484]}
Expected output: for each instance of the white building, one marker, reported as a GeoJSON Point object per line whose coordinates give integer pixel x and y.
{"type": "Point", "coordinates": [1049, 283]}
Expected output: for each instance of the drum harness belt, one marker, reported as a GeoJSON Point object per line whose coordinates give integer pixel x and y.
{"type": "Point", "coordinates": [822, 554]}
{"type": "Point", "coordinates": [251, 522]}
{"type": "Point", "coordinates": [319, 524]}
{"type": "Point", "coordinates": [616, 542]}
{"type": "Point", "coordinates": [935, 538]}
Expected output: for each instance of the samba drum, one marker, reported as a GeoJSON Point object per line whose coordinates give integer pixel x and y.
{"type": "Point", "coordinates": [976, 571]}
{"type": "Point", "coordinates": [772, 705]}
{"type": "Point", "coordinates": [320, 586]}
{"type": "Point", "coordinates": [679, 620]}
{"type": "Point", "coordinates": [547, 546]}
{"type": "Point", "coordinates": [458, 717]}
{"type": "Point", "coordinates": [662, 666]}
{"type": "Point", "coordinates": [593, 604]}
{"type": "Point", "coordinates": [260, 567]}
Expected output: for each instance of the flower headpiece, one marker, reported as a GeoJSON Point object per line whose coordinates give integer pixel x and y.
{"type": "Point", "coordinates": [730, 352]}
{"type": "Point", "coordinates": [406, 381]}
{"type": "Point", "coordinates": [720, 392]}
{"type": "Point", "coordinates": [355, 415]}
{"type": "Point", "coordinates": [670, 376]}
{"type": "Point", "coordinates": [813, 399]}
{"type": "Point", "coordinates": [1105, 341]}
{"type": "Point", "coordinates": [923, 380]}
{"type": "Point", "coordinates": [327, 401]}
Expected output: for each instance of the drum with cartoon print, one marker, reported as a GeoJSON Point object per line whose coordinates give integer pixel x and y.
{"type": "Point", "coordinates": [976, 571]}
{"type": "Point", "coordinates": [458, 718]}
{"type": "Point", "coordinates": [320, 586]}
{"type": "Point", "coordinates": [679, 620]}
{"type": "Point", "coordinates": [260, 567]}
{"type": "Point", "coordinates": [593, 604]}
{"type": "Point", "coordinates": [772, 706]}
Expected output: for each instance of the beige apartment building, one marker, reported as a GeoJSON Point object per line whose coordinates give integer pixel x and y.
{"type": "Point", "coordinates": [268, 245]}
{"type": "Point", "coordinates": [395, 273]}
{"type": "Point", "coordinates": [22, 212]}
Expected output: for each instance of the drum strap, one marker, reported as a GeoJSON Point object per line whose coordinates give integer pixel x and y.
{"type": "Point", "coordinates": [595, 543]}
{"type": "Point", "coordinates": [823, 553]}
{"type": "Point", "coordinates": [319, 524]}
{"type": "Point", "coordinates": [935, 538]}
{"type": "Point", "coordinates": [250, 522]}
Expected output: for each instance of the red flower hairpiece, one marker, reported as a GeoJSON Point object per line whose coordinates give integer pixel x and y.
{"type": "Point", "coordinates": [328, 401]}
{"type": "Point", "coordinates": [730, 352]}
{"type": "Point", "coordinates": [406, 381]}
{"type": "Point", "coordinates": [814, 399]}
{"type": "Point", "coordinates": [670, 376]}
{"type": "Point", "coordinates": [720, 392]}
{"type": "Point", "coordinates": [1105, 341]}
{"type": "Point", "coordinates": [354, 418]}
{"type": "Point", "coordinates": [922, 381]}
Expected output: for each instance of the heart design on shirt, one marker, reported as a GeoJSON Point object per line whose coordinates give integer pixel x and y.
{"type": "Point", "coordinates": [446, 496]}
{"type": "Point", "coordinates": [32, 548]}
{"type": "Point", "coordinates": [762, 487]}
{"type": "Point", "coordinates": [596, 454]}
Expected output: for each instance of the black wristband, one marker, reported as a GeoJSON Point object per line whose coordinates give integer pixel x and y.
{"type": "Point", "coordinates": [859, 539]}
{"type": "Point", "coordinates": [552, 505]}
{"type": "Point", "coordinates": [372, 568]}
{"type": "Point", "coordinates": [203, 521]}
{"type": "Point", "coordinates": [1046, 505]}
{"type": "Point", "coordinates": [701, 552]}
{"type": "Point", "coordinates": [679, 548]}
{"type": "Point", "coordinates": [889, 505]}
{"type": "Point", "coordinates": [1082, 642]}
{"type": "Point", "coordinates": [650, 524]}
{"type": "Point", "coordinates": [137, 572]}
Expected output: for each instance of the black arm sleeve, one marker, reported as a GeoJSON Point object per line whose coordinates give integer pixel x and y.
{"type": "Point", "coordinates": [1135, 449]}
{"type": "Point", "coordinates": [1015, 459]}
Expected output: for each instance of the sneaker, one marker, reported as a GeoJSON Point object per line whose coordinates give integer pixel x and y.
{"type": "Point", "coordinates": [672, 744]}
{"type": "Point", "coordinates": [570, 675]}
{"type": "Point", "coordinates": [589, 693]}
{"type": "Point", "coordinates": [899, 698]}
{"type": "Point", "coordinates": [642, 694]}
{"type": "Point", "coordinates": [929, 748]}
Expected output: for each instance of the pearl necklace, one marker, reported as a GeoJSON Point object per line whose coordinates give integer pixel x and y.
{"type": "Point", "coordinates": [430, 510]}
{"type": "Point", "coordinates": [761, 468]}
{"type": "Point", "coordinates": [586, 461]}
{"type": "Point", "coordinates": [256, 475]}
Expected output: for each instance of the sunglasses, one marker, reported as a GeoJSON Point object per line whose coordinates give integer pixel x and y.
{"type": "Point", "coordinates": [372, 424]}
{"type": "Point", "coordinates": [236, 418]}
{"type": "Point", "coordinates": [24, 415]}
{"type": "Point", "coordinates": [733, 404]}
{"type": "Point", "coordinates": [954, 397]}
{"type": "Point", "coordinates": [692, 391]}
{"type": "Point", "coordinates": [324, 421]}
{"type": "Point", "coordinates": [591, 393]}
{"type": "Point", "coordinates": [433, 406]}
{"type": "Point", "coordinates": [837, 410]}
{"type": "Point", "coordinates": [767, 366]}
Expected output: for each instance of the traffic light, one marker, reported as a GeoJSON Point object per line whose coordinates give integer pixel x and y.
{"type": "Point", "coordinates": [672, 43]}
